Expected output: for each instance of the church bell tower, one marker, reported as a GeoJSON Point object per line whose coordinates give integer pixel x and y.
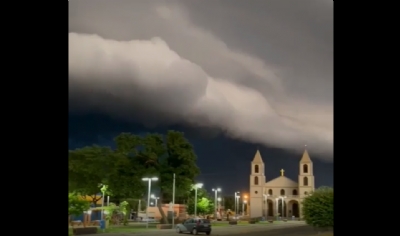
{"type": "Point", "coordinates": [306, 175]}
{"type": "Point", "coordinates": [257, 182]}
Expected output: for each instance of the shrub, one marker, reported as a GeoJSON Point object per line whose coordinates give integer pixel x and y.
{"type": "Point", "coordinates": [318, 208]}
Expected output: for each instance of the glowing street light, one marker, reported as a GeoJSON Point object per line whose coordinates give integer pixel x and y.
{"type": "Point", "coordinates": [148, 197]}
{"type": "Point", "coordinates": [236, 202]}
{"type": "Point", "coordinates": [155, 198]}
{"type": "Point", "coordinates": [196, 186]}
{"type": "Point", "coordinates": [216, 190]}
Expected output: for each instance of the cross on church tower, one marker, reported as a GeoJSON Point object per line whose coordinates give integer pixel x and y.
{"type": "Point", "coordinates": [282, 172]}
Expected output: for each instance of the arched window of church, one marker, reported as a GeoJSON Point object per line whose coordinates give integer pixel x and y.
{"type": "Point", "coordinates": [256, 168]}
{"type": "Point", "coordinates": [256, 180]}
{"type": "Point", "coordinates": [305, 181]}
{"type": "Point", "coordinates": [294, 192]}
{"type": "Point", "coordinates": [305, 168]}
{"type": "Point", "coordinates": [270, 192]}
{"type": "Point", "coordinates": [282, 192]}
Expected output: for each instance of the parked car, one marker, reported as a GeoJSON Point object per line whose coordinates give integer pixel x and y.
{"type": "Point", "coordinates": [194, 226]}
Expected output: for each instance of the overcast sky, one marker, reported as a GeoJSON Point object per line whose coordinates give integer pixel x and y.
{"type": "Point", "coordinates": [256, 71]}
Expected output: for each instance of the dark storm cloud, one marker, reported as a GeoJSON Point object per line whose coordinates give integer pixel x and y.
{"type": "Point", "coordinates": [260, 71]}
{"type": "Point", "coordinates": [223, 162]}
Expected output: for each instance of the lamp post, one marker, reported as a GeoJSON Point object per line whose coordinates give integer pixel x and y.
{"type": "Point", "coordinates": [103, 190]}
{"type": "Point", "coordinates": [156, 198]}
{"type": "Point", "coordinates": [244, 202]}
{"type": "Point", "coordinates": [219, 204]}
{"type": "Point", "coordinates": [282, 200]}
{"type": "Point", "coordinates": [236, 193]}
{"type": "Point", "coordinates": [277, 206]}
{"type": "Point", "coordinates": [196, 186]}
{"type": "Point", "coordinates": [148, 198]}
{"type": "Point", "coordinates": [245, 199]}
{"type": "Point", "coordinates": [216, 190]}
{"type": "Point", "coordinates": [238, 204]}
{"type": "Point", "coordinates": [266, 204]}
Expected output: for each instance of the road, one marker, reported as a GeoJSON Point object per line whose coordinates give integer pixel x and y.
{"type": "Point", "coordinates": [285, 229]}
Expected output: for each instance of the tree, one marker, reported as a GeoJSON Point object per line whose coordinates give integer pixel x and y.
{"type": "Point", "coordinates": [88, 168]}
{"type": "Point", "coordinates": [318, 208]}
{"type": "Point", "coordinates": [76, 205]}
{"type": "Point", "coordinates": [204, 204]}
{"type": "Point", "coordinates": [154, 155]}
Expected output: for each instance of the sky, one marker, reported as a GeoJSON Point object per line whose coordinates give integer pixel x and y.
{"type": "Point", "coordinates": [233, 75]}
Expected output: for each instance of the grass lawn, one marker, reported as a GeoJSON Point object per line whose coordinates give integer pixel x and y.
{"type": "Point", "coordinates": [225, 223]}
{"type": "Point", "coordinates": [124, 229]}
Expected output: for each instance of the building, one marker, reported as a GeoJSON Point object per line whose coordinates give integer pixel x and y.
{"type": "Point", "coordinates": [266, 197]}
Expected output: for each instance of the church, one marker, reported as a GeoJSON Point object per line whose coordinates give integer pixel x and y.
{"type": "Point", "coordinates": [280, 196]}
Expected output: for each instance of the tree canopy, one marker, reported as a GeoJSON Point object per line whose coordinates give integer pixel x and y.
{"type": "Point", "coordinates": [135, 157]}
{"type": "Point", "coordinates": [76, 205]}
{"type": "Point", "coordinates": [318, 208]}
{"type": "Point", "coordinates": [205, 205]}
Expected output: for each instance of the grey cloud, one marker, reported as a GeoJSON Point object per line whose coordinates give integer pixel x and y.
{"type": "Point", "coordinates": [260, 72]}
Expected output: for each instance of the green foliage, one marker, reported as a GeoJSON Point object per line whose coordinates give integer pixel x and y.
{"type": "Point", "coordinates": [76, 205]}
{"type": "Point", "coordinates": [318, 208]}
{"type": "Point", "coordinates": [135, 157]}
{"type": "Point", "coordinates": [204, 203]}
{"type": "Point", "coordinates": [89, 167]}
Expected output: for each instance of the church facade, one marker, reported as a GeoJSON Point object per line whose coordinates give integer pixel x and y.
{"type": "Point", "coordinates": [280, 196]}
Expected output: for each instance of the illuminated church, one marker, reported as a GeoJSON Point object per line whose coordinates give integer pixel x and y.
{"type": "Point", "coordinates": [266, 197]}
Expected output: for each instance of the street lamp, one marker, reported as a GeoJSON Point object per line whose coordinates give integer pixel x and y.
{"type": "Point", "coordinates": [266, 204]}
{"type": "Point", "coordinates": [156, 198]}
{"type": "Point", "coordinates": [282, 199]}
{"type": "Point", "coordinates": [219, 203]}
{"type": "Point", "coordinates": [245, 199]}
{"type": "Point", "coordinates": [148, 197]}
{"type": "Point", "coordinates": [244, 202]}
{"type": "Point", "coordinates": [238, 204]}
{"type": "Point", "coordinates": [236, 199]}
{"type": "Point", "coordinates": [196, 186]}
{"type": "Point", "coordinates": [277, 205]}
{"type": "Point", "coordinates": [216, 190]}
{"type": "Point", "coordinates": [103, 190]}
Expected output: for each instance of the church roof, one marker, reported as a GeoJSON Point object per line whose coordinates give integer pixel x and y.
{"type": "Point", "coordinates": [305, 158]}
{"type": "Point", "coordinates": [257, 158]}
{"type": "Point", "coordinates": [282, 181]}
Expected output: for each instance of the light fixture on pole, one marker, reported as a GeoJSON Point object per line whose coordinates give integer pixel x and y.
{"type": "Point", "coordinates": [148, 197]}
{"type": "Point", "coordinates": [173, 201]}
{"type": "Point", "coordinates": [196, 186]}
{"type": "Point", "coordinates": [216, 190]}
{"type": "Point", "coordinates": [266, 204]}
{"type": "Point", "coordinates": [236, 195]}
{"type": "Point", "coordinates": [245, 199]}
{"type": "Point", "coordinates": [238, 205]}
{"type": "Point", "coordinates": [103, 190]}
{"type": "Point", "coordinates": [283, 202]}
{"type": "Point", "coordinates": [156, 198]}
{"type": "Point", "coordinates": [244, 202]}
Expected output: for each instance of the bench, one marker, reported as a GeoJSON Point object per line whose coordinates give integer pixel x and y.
{"type": "Point", "coordinates": [164, 226]}
{"type": "Point", "coordinates": [271, 221]}
{"type": "Point", "coordinates": [252, 221]}
{"type": "Point", "coordinates": [86, 230]}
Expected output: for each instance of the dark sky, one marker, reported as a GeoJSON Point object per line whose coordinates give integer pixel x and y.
{"type": "Point", "coordinates": [232, 75]}
{"type": "Point", "coordinates": [224, 162]}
